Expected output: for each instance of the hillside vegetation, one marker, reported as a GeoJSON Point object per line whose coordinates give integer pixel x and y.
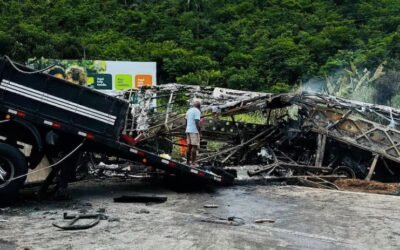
{"type": "Point", "coordinates": [264, 45]}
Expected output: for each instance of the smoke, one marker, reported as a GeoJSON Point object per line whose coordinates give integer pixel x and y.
{"type": "Point", "coordinates": [346, 83]}
{"type": "Point", "coordinates": [363, 94]}
{"type": "Point", "coordinates": [315, 84]}
{"type": "Point", "coordinates": [375, 86]}
{"type": "Point", "coordinates": [329, 84]}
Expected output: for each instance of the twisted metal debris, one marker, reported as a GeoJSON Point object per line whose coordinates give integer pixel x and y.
{"type": "Point", "coordinates": [307, 136]}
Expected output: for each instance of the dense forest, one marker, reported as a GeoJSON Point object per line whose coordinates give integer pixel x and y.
{"type": "Point", "coordinates": [264, 45]}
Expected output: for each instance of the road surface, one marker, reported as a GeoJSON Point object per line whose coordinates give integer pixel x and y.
{"type": "Point", "coordinates": [305, 218]}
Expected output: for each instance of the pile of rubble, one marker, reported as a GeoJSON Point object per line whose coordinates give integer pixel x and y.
{"type": "Point", "coordinates": [307, 137]}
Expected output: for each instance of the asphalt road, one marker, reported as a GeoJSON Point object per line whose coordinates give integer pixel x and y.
{"type": "Point", "coordinates": [305, 218]}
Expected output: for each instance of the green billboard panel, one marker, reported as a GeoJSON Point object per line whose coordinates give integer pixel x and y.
{"type": "Point", "coordinates": [90, 80]}
{"type": "Point", "coordinates": [123, 81]}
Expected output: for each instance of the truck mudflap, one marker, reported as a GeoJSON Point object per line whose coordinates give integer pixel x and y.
{"type": "Point", "coordinates": [172, 166]}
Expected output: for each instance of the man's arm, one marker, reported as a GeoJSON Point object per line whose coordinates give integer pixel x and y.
{"type": "Point", "coordinates": [186, 120]}
{"type": "Point", "coordinates": [197, 120]}
{"type": "Point", "coordinates": [198, 126]}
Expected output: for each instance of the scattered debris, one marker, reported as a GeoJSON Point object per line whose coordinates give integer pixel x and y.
{"type": "Point", "coordinates": [101, 210]}
{"type": "Point", "coordinates": [141, 198]}
{"type": "Point", "coordinates": [114, 220]}
{"type": "Point", "coordinates": [83, 211]}
{"type": "Point", "coordinates": [75, 218]}
{"type": "Point", "coordinates": [307, 138]}
{"type": "Point", "coordinates": [368, 186]}
{"type": "Point", "coordinates": [264, 220]}
{"type": "Point", "coordinates": [50, 212]}
{"type": "Point", "coordinates": [143, 211]}
{"type": "Point", "coordinates": [303, 138]}
{"type": "Point", "coordinates": [210, 206]}
{"type": "Point", "coordinates": [81, 206]}
{"type": "Point", "coordinates": [232, 221]}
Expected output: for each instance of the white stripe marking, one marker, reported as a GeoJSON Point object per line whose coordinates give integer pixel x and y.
{"type": "Point", "coordinates": [48, 123]}
{"type": "Point", "coordinates": [82, 134]}
{"type": "Point", "coordinates": [133, 151]}
{"type": "Point", "coordinates": [69, 103]}
{"type": "Point", "coordinates": [57, 104]}
{"type": "Point", "coordinates": [66, 107]}
{"type": "Point", "coordinates": [11, 111]}
{"type": "Point", "coordinates": [70, 106]}
{"type": "Point", "coordinates": [194, 171]}
{"type": "Point", "coordinates": [165, 161]}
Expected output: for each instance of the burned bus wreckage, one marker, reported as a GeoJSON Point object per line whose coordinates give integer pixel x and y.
{"type": "Point", "coordinates": [291, 136]}
{"type": "Point", "coordinates": [301, 137]}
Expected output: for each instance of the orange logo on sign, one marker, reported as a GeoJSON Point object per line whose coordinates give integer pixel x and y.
{"type": "Point", "coordinates": [143, 80]}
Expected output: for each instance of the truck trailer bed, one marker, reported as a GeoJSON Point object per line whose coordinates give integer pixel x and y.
{"type": "Point", "coordinates": [78, 111]}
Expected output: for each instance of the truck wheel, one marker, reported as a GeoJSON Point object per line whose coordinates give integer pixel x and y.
{"type": "Point", "coordinates": [360, 169]}
{"type": "Point", "coordinates": [12, 164]}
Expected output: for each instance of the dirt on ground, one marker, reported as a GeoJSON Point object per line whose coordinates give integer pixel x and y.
{"type": "Point", "coordinates": [303, 218]}
{"type": "Point", "coordinates": [357, 185]}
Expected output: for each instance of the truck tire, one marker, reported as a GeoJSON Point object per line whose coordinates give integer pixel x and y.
{"type": "Point", "coordinates": [12, 164]}
{"type": "Point", "coordinates": [360, 169]}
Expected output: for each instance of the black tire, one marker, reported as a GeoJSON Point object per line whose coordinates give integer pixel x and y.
{"type": "Point", "coordinates": [13, 164]}
{"type": "Point", "coordinates": [346, 171]}
{"type": "Point", "coordinates": [360, 169]}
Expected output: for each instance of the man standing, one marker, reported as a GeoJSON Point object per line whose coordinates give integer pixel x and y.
{"type": "Point", "coordinates": [193, 131]}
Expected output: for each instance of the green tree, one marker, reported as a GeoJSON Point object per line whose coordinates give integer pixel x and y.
{"type": "Point", "coordinates": [250, 44]}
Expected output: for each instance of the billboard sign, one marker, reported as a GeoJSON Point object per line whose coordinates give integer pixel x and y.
{"type": "Point", "coordinates": [101, 75]}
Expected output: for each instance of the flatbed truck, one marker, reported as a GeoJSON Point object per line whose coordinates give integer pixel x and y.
{"type": "Point", "coordinates": [53, 116]}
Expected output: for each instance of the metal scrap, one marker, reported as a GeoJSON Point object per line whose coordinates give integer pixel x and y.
{"type": "Point", "coordinates": [71, 225]}
{"type": "Point", "coordinates": [264, 220]}
{"type": "Point", "coordinates": [232, 220]}
{"type": "Point", "coordinates": [210, 206]}
{"type": "Point", "coordinates": [141, 198]}
{"type": "Point", "coordinates": [308, 137]}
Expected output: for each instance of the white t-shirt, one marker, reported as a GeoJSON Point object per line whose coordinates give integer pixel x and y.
{"type": "Point", "coordinates": [192, 115]}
